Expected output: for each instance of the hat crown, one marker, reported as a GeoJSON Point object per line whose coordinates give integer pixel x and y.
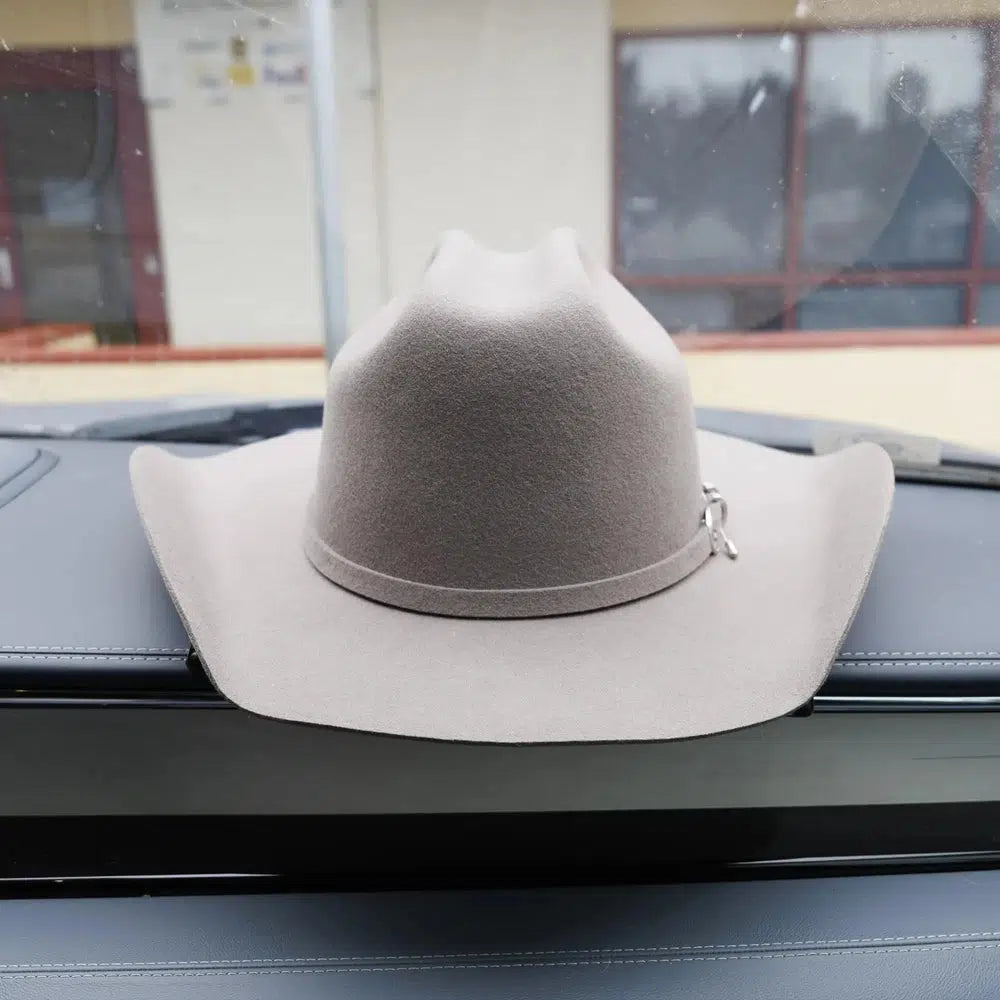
{"type": "Point", "coordinates": [519, 423]}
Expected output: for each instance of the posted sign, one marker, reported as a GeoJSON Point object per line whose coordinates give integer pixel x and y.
{"type": "Point", "coordinates": [208, 50]}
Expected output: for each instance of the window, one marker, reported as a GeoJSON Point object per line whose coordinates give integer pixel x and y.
{"type": "Point", "coordinates": [989, 305]}
{"type": "Point", "coordinates": [861, 308]}
{"type": "Point", "coordinates": [991, 193]}
{"type": "Point", "coordinates": [688, 310]}
{"type": "Point", "coordinates": [809, 179]}
{"type": "Point", "coordinates": [685, 114]}
{"type": "Point", "coordinates": [891, 133]}
{"type": "Point", "coordinates": [79, 242]}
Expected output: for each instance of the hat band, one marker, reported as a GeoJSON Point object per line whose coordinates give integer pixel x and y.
{"type": "Point", "coordinates": [530, 602]}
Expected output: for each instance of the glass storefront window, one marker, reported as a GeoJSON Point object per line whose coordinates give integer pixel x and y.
{"type": "Point", "coordinates": [703, 138]}
{"type": "Point", "coordinates": [892, 122]}
{"type": "Point", "coordinates": [806, 156]}
{"type": "Point", "coordinates": [848, 307]}
{"type": "Point", "coordinates": [706, 309]}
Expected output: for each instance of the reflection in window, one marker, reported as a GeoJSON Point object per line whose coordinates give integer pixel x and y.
{"type": "Point", "coordinates": [988, 313]}
{"type": "Point", "coordinates": [734, 309]}
{"type": "Point", "coordinates": [702, 146]}
{"type": "Point", "coordinates": [67, 208]}
{"type": "Point", "coordinates": [991, 197]}
{"type": "Point", "coordinates": [859, 308]}
{"type": "Point", "coordinates": [892, 126]}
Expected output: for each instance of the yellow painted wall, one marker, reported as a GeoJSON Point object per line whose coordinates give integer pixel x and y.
{"type": "Point", "coordinates": [945, 392]}
{"type": "Point", "coordinates": [57, 24]}
{"type": "Point", "coordinates": [637, 15]}
{"type": "Point", "coordinates": [63, 23]}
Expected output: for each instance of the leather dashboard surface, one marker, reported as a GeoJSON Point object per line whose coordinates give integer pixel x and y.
{"type": "Point", "coordinates": [82, 605]}
{"type": "Point", "coordinates": [890, 936]}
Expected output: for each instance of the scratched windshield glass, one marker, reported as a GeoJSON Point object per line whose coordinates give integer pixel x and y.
{"type": "Point", "coordinates": [208, 197]}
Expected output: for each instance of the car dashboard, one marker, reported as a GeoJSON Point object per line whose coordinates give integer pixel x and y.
{"type": "Point", "coordinates": [177, 845]}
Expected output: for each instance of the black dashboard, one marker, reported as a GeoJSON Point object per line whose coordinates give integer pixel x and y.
{"type": "Point", "coordinates": [176, 846]}
{"type": "Point", "coordinates": [114, 726]}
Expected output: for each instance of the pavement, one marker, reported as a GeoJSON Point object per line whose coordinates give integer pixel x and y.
{"type": "Point", "coordinates": [947, 392]}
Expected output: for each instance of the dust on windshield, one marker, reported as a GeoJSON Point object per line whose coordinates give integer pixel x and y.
{"type": "Point", "coordinates": [204, 198]}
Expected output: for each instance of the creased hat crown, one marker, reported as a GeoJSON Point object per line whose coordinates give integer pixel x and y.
{"type": "Point", "coordinates": [514, 438]}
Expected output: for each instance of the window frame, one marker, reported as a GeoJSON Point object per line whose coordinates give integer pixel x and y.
{"type": "Point", "coordinates": [792, 278]}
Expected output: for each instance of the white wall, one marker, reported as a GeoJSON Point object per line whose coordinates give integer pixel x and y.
{"type": "Point", "coordinates": [497, 120]}
{"type": "Point", "coordinates": [234, 191]}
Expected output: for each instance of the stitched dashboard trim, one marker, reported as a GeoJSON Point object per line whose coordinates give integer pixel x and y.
{"type": "Point", "coordinates": [607, 951]}
{"type": "Point", "coordinates": [568, 963]}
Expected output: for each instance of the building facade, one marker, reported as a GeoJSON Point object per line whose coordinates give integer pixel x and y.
{"type": "Point", "coordinates": [776, 166]}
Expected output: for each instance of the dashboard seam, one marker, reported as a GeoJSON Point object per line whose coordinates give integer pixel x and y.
{"type": "Point", "coordinates": [569, 963]}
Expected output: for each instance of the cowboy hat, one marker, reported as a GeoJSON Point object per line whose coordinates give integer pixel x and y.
{"type": "Point", "coordinates": [504, 531]}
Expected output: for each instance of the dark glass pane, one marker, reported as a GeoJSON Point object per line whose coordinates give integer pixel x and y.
{"type": "Point", "coordinates": [59, 151]}
{"type": "Point", "coordinates": [891, 130]}
{"type": "Point", "coordinates": [988, 313]}
{"type": "Point", "coordinates": [991, 202]}
{"type": "Point", "coordinates": [702, 149]}
{"type": "Point", "coordinates": [860, 308]}
{"type": "Point", "coordinates": [703, 309]}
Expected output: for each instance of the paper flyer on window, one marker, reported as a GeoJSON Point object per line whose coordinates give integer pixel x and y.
{"type": "Point", "coordinates": [211, 50]}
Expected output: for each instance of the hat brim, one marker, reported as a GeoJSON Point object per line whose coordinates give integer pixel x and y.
{"type": "Point", "coordinates": [736, 643]}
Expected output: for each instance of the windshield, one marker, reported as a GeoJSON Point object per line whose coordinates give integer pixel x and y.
{"type": "Point", "coordinates": [390, 386]}
{"type": "Point", "coordinates": [200, 200]}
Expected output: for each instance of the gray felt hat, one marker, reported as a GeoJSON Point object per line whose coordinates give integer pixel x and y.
{"type": "Point", "coordinates": [504, 533]}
